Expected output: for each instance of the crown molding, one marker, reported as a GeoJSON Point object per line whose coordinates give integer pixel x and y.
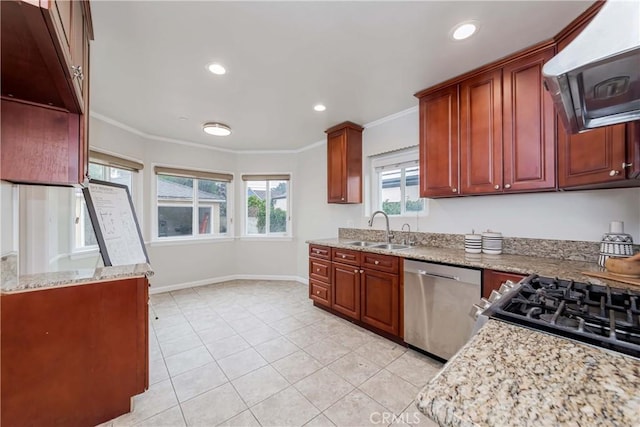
{"type": "Point", "coordinates": [391, 117]}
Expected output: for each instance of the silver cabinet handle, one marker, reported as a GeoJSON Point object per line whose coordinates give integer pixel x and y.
{"type": "Point", "coordinates": [442, 276]}
{"type": "Point", "coordinates": [507, 186]}
{"type": "Point", "coordinates": [376, 262]}
{"type": "Point", "coordinates": [356, 271]}
{"type": "Point", "coordinates": [361, 271]}
{"type": "Point", "coordinates": [497, 187]}
{"type": "Point", "coordinates": [454, 190]}
{"type": "Point", "coordinates": [344, 256]}
{"type": "Point", "coordinates": [614, 173]}
{"type": "Point", "coordinates": [626, 165]}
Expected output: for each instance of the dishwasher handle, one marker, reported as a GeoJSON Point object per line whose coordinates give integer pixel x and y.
{"type": "Point", "coordinates": [442, 276]}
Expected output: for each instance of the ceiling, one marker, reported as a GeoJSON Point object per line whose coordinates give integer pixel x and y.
{"type": "Point", "coordinates": [363, 60]}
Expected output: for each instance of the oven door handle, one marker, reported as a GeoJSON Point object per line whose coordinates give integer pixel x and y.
{"type": "Point", "coordinates": [441, 276]}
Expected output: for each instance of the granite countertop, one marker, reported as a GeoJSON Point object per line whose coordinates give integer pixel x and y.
{"type": "Point", "coordinates": [564, 269]}
{"type": "Point", "coordinates": [509, 375]}
{"type": "Point", "coordinates": [31, 282]}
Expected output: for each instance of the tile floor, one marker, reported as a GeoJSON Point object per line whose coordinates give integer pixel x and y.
{"type": "Point", "coordinates": [257, 353]}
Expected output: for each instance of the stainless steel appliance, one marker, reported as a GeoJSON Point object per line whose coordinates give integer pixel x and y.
{"type": "Point", "coordinates": [595, 80]}
{"type": "Point", "coordinates": [436, 302]}
{"type": "Point", "coordinates": [599, 315]}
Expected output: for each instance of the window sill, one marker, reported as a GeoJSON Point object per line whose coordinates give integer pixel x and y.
{"type": "Point", "coordinates": [84, 253]}
{"type": "Point", "coordinates": [189, 241]}
{"type": "Point", "coordinates": [253, 238]}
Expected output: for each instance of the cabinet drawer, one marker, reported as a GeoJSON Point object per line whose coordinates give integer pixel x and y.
{"type": "Point", "coordinates": [345, 256]}
{"type": "Point", "coordinates": [379, 262]}
{"type": "Point", "coordinates": [320, 270]}
{"type": "Point", "coordinates": [320, 292]}
{"type": "Point", "coordinates": [323, 252]}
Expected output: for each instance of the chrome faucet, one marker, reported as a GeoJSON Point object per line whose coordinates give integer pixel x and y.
{"type": "Point", "coordinates": [406, 241]}
{"type": "Point", "coordinates": [386, 217]}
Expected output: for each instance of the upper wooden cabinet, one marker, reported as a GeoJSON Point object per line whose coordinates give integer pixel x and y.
{"type": "Point", "coordinates": [439, 146]}
{"type": "Point", "coordinates": [492, 132]}
{"type": "Point", "coordinates": [45, 91]}
{"type": "Point", "coordinates": [344, 163]}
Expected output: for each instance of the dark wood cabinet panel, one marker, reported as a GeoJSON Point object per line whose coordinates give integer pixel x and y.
{"type": "Point", "coordinates": [320, 270]}
{"type": "Point", "coordinates": [346, 290]}
{"type": "Point", "coordinates": [492, 280]}
{"type": "Point", "coordinates": [344, 163]}
{"type": "Point", "coordinates": [439, 150]}
{"type": "Point", "coordinates": [380, 304]}
{"type": "Point", "coordinates": [481, 133]}
{"type": "Point", "coordinates": [73, 355]}
{"type": "Point", "coordinates": [345, 256]}
{"type": "Point", "coordinates": [320, 292]}
{"type": "Point", "coordinates": [322, 252]}
{"type": "Point", "coordinates": [593, 157]}
{"type": "Point", "coordinates": [386, 263]}
{"type": "Point", "coordinates": [529, 126]}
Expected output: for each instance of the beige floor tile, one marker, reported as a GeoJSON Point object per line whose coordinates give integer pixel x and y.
{"type": "Point", "coordinates": [243, 419]}
{"type": "Point", "coordinates": [391, 391]}
{"type": "Point", "coordinates": [207, 322]}
{"type": "Point", "coordinates": [198, 381]}
{"type": "Point", "coordinates": [305, 337]}
{"type": "Point", "coordinates": [356, 409]}
{"type": "Point", "coordinates": [173, 332]}
{"type": "Point", "coordinates": [259, 335]}
{"type": "Point", "coordinates": [213, 407]}
{"type": "Point", "coordinates": [320, 421]}
{"type": "Point", "coordinates": [415, 368]}
{"type": "Point", "coordinates": [256, 386]}
{"type": "Point", "coordinates": [297, 366]}
{"type": "Point", "coordinates": [216, 333]}
{"type": "Point", "coordinates": [287, 325]}
{"type": "Point", "coordinates": [157, 399]}
{"type": "Point", "coordinates": [354, 368]}
{"type": "Point", "coordinates": [323, 388]}
{"type": "Point", "coordinates": [381, 351]}
{"type": "Point", "coordinates": [157, 371]}
{"type": "Point", "coordinates": [246, 323]}
{"type": "Point", "coordinates": [164, 310]}
{"type": "Point", "coordinates": [172, 417]}
{"type": "Point", "coordinates": [327, 350]}
{"type": "Point", "coordinates": [166, 321]}
{"type": "Point", "coordinates": [187, 360]}
{"type": "Point", "coordinates": [224, 347]}
{"type": "Point", "coordinates": [272, 315]}
{"type": "Point", "coordinates": [312, 316]}
{"type": "Point", "coordinates": [184, 343]}
{"type": "Point", "coordinates": [276, 349]}
{"type": "Point", "coordinates": [413, 417]}
{"type": "Point", "coordinates": [286, 408]}
{"type": "Point", "coordinates": [241, 363]}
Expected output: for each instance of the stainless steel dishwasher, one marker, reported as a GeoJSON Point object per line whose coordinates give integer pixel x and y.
{"type": "Point", "coordinates": [436, 305]}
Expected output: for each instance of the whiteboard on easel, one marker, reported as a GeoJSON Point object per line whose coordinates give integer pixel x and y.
{"type": "Point", "coordinates": [115, 223]}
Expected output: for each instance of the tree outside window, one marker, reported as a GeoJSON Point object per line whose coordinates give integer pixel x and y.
{"type": "Point", "coordinates": [267, 207]}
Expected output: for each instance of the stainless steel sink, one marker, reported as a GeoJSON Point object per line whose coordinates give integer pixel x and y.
{"type": "Point", "coordinates": [391, 246]}
{"type": "Point", "coordinates": [362, 243]}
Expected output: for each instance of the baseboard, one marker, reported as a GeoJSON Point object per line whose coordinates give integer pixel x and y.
{"type": "Point", "coordinates": [204, 282]}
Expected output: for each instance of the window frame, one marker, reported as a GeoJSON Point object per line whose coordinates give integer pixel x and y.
{"type": "Point", "coordinates": [270, 177]}
{"type": "Point", "coordinates": [195, 203]}
{"type": "Point", "coordinates": [398, 159]}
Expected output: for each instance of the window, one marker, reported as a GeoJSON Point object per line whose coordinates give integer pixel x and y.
{"type": "Point", "coordinates": [104, 167]}
{"type": "Point", "coordinates": [396, 179]}
{"type": "Point", "coordinates": [267, 206]}
{"type": "Point", "coordinates": [192, 203]}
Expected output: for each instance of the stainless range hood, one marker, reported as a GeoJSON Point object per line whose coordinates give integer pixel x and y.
{"type": "Point", "coordinates": [595, 80]}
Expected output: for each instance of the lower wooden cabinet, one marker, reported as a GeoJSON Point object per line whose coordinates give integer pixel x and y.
{"type": "Point", "coordinates": [380, 300]}
{"type": "Point", "coordinates": [346, 290]}
{"type": "Point", "coordinates": [75, 355]}
{"type": "Point", "coordinates": [492, 280]}
{"type": "Point", "coordinates": [320, 292]}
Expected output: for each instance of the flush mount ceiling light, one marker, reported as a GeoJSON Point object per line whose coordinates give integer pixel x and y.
{"type": "Point", "coordinates": [464, 30]}
{"type": "Point", "coordinates": [319, 107]}
{"type": "Point", "coordinates": [216, 68]}
{"type": "Point", "coordinates": [217, 129]}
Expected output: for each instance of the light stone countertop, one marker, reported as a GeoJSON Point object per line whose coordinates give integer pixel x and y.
{"type": "Point", "coordinates": [510, 375]}
{"type": "Point", "coordinates": [32, 282]}
{"type": "Point", "coordinates": [550, 267]}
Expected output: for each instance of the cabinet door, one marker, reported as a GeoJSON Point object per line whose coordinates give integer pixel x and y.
{"type": "Point", "coordinates": [380, 300]}
{"type": "Point", "coordinates": [439, 148]}
{"type": "Point", "coordinates": [346, 290]}
{"type": "Point", "coordinates": [320, 293]}
{"type": "Point", "coordinates": [492, 280]}
{"type": "Point", "coordinates": [336, 167]}
{"type": "Point", "coordinates": [79, 52]}
{"type": "Point", "coordinates": [481, 134]}
{"type": "Point", "coordinates": [529, 125]}
{"type": "Point", "coordinates": [320, 270]}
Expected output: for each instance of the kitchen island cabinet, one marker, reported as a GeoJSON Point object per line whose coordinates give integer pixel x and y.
{"type": "Point", "coordinates": [492, 280]}
{"type": "Point", "coordinates": [73, 355]}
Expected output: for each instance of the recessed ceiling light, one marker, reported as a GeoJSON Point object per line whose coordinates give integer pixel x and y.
{"type": "Point", "coordinates": [464, 30]}
{"type": "Point", "coordinates": [319, 107]}
{"type": "Point", "coordinates": [217, 129]}
{"type": "Point", "coordinates": [216, 68]}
